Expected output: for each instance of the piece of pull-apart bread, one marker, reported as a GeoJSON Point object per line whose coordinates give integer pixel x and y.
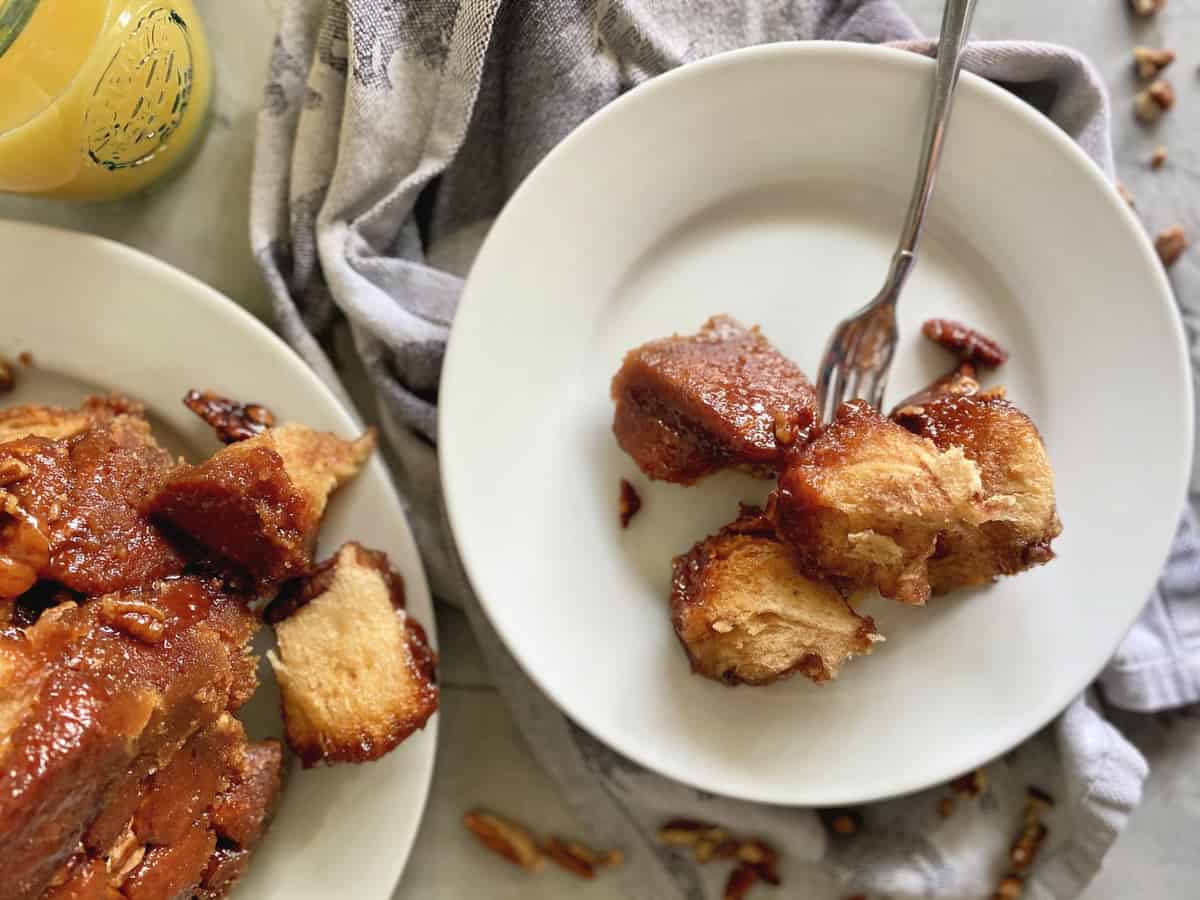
{"type": "Point", "coordinates": [745, 613]}
{"type": "Point", "coordinates": [259, 502]}
{"type": "Point", "coordinates": [1018, 508]}
{"type": "Point", "coordinates": [865, 501]}
{"type": "Point", "coordinates": [688, 406]}
{"type": "Point", "coordinates": [356, 673]}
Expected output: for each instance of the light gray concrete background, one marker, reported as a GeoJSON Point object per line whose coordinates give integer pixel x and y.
{"type": "Point", "coordinates": [198, 223]}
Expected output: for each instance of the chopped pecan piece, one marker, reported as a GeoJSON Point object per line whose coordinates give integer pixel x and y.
{"type": "Point", "coordinates": [8, 378]}
{"type": "Point", "coordinates": [13, 470]}
{"type": "Point", "coordinates": [231, 420]}
{"type": "Point", "coordinates": [143, 621]}
{"type": "Point", "coordinates": [506, 839]}
{"type": "Point", "coordinates": [1170, 244]}
{"type": "Point", "coordinates": [1149, 61]}
{"type": "Point", "coordinates": [573, 861]}
{"type": "Point", "coordinates": [1153, 101]}
{"type": "Point", "coordinates": [843, 822]}
{"type": "Point", "coordinates": [1158, 157]}
{"type": "Point", "coordinates": [1147, 7]}
{"type": "Point", "coordinates": [966, 343]}
{"type": "Point", "coordinates": [740, 881]}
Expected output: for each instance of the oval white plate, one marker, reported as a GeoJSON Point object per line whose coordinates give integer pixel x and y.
{"type": "Point", "coordinates": [770, 184]}
{"type": "Point", "coordinates": [100, 316]}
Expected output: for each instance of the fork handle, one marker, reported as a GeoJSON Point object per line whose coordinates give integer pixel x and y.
{"type": "Point", "coordinates": [956, 24]}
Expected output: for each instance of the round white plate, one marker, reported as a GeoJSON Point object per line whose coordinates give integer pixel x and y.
{"type": "Point", "coordinates": [100, 316]}
{"type": "Point", "coordinates": [770, 184]}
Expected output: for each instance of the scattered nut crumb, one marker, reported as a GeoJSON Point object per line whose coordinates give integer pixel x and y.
{"type": "Point", "coordinates": [1170, 244]}
{"type": "Point", "coordinates": [629, 504]}
{"type": "Point", "coordinates": [25, 358]}
{"type": "Point", "coordinates": [613, 857]}
{"type": "Point", "coordinates": [1147, 7]}
{"type": "Point", "coordinates": [1126, 195]}
{"type": "Point", "coordinates": [785, 431]}
{"type": "Point", "coordinates": [970, 785]}
{"type": "Point", "coordinates": [1153, 101]}
{"type": "Point", "coordinates": [1150, 61]}
{"type": "Point", "coordinates": [506, 838]}
{"type": "Point", "coordinates": [1158, 157]}
{"type": "Point", "coordinates": [740, 881]}
{"type": "Point", "coordinates": [945, 807]}
{"type": "Point", "coordinates": [8, 378]}
{"type": "Point", "coordinates": [573, 862]}
{"type": "Point", "coordinates": [843, 822]}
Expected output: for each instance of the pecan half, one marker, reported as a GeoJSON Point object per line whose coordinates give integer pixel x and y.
{"type": "Point", "coordinates": [1170, 244]}
{"type": "Point", "coordinates": [505, 838]}
{"type": "Point", "coordinates": [1149, 61]}
{"type": "Point", "coordinates": [966, 343]}
{"type": "Point", "coordinates": [629, 504]}
{"type": "Point", "coordinates": [231, 420]}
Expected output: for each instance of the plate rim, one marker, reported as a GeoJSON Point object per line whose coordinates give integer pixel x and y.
{"type": "Point", "coordinates": [870, 55]}
{"type": "Point", "coordinates": [221, 307]}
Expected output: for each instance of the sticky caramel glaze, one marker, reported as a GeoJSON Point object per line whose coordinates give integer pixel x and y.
{"type": "Point", "coordinates": [243, 506]}
{"type": "Point", "coordinates": [86, 710]}
{"type": "Point", "coordinates": [82, 497]}
{"type": "Point", "coordinates": [961, 381]}
{"type": "Point", "coordinates": [689, 406]}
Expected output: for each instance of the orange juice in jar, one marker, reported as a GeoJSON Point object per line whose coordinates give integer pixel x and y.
{"type": "Point", "coordinates": [98, 98]}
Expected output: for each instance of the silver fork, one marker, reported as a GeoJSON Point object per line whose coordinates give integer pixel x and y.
{"type": "Point", "coordinates": [859, 354]}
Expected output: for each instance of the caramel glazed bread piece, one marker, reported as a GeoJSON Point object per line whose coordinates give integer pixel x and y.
{"type": "Point", "coordinates": [1019, 512]}
{"type": "Point", "coordinates": [688, 406]}
{"type": "Point", "coordinates": [258, 502]}
{"type": "Point", "coordinates": [356, 672]}
{"type": "Point", "coordinates": [123, 773]}
{"type": "Point", "coordinates": [745, 613]}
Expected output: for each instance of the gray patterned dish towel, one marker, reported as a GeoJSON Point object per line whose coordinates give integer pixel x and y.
{"type": "Point", "coordinates": [393, 132]}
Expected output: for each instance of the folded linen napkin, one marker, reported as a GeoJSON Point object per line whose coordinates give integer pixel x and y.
{"type": "Point", "coordinates": [392, 133]}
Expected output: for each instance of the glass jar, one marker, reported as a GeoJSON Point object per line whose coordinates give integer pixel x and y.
{"type": "Point", "coordinates": [98, 98]}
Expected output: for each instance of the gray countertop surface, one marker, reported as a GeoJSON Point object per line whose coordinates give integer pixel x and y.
{"type": "Point", "coordinates": [198, 222]}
